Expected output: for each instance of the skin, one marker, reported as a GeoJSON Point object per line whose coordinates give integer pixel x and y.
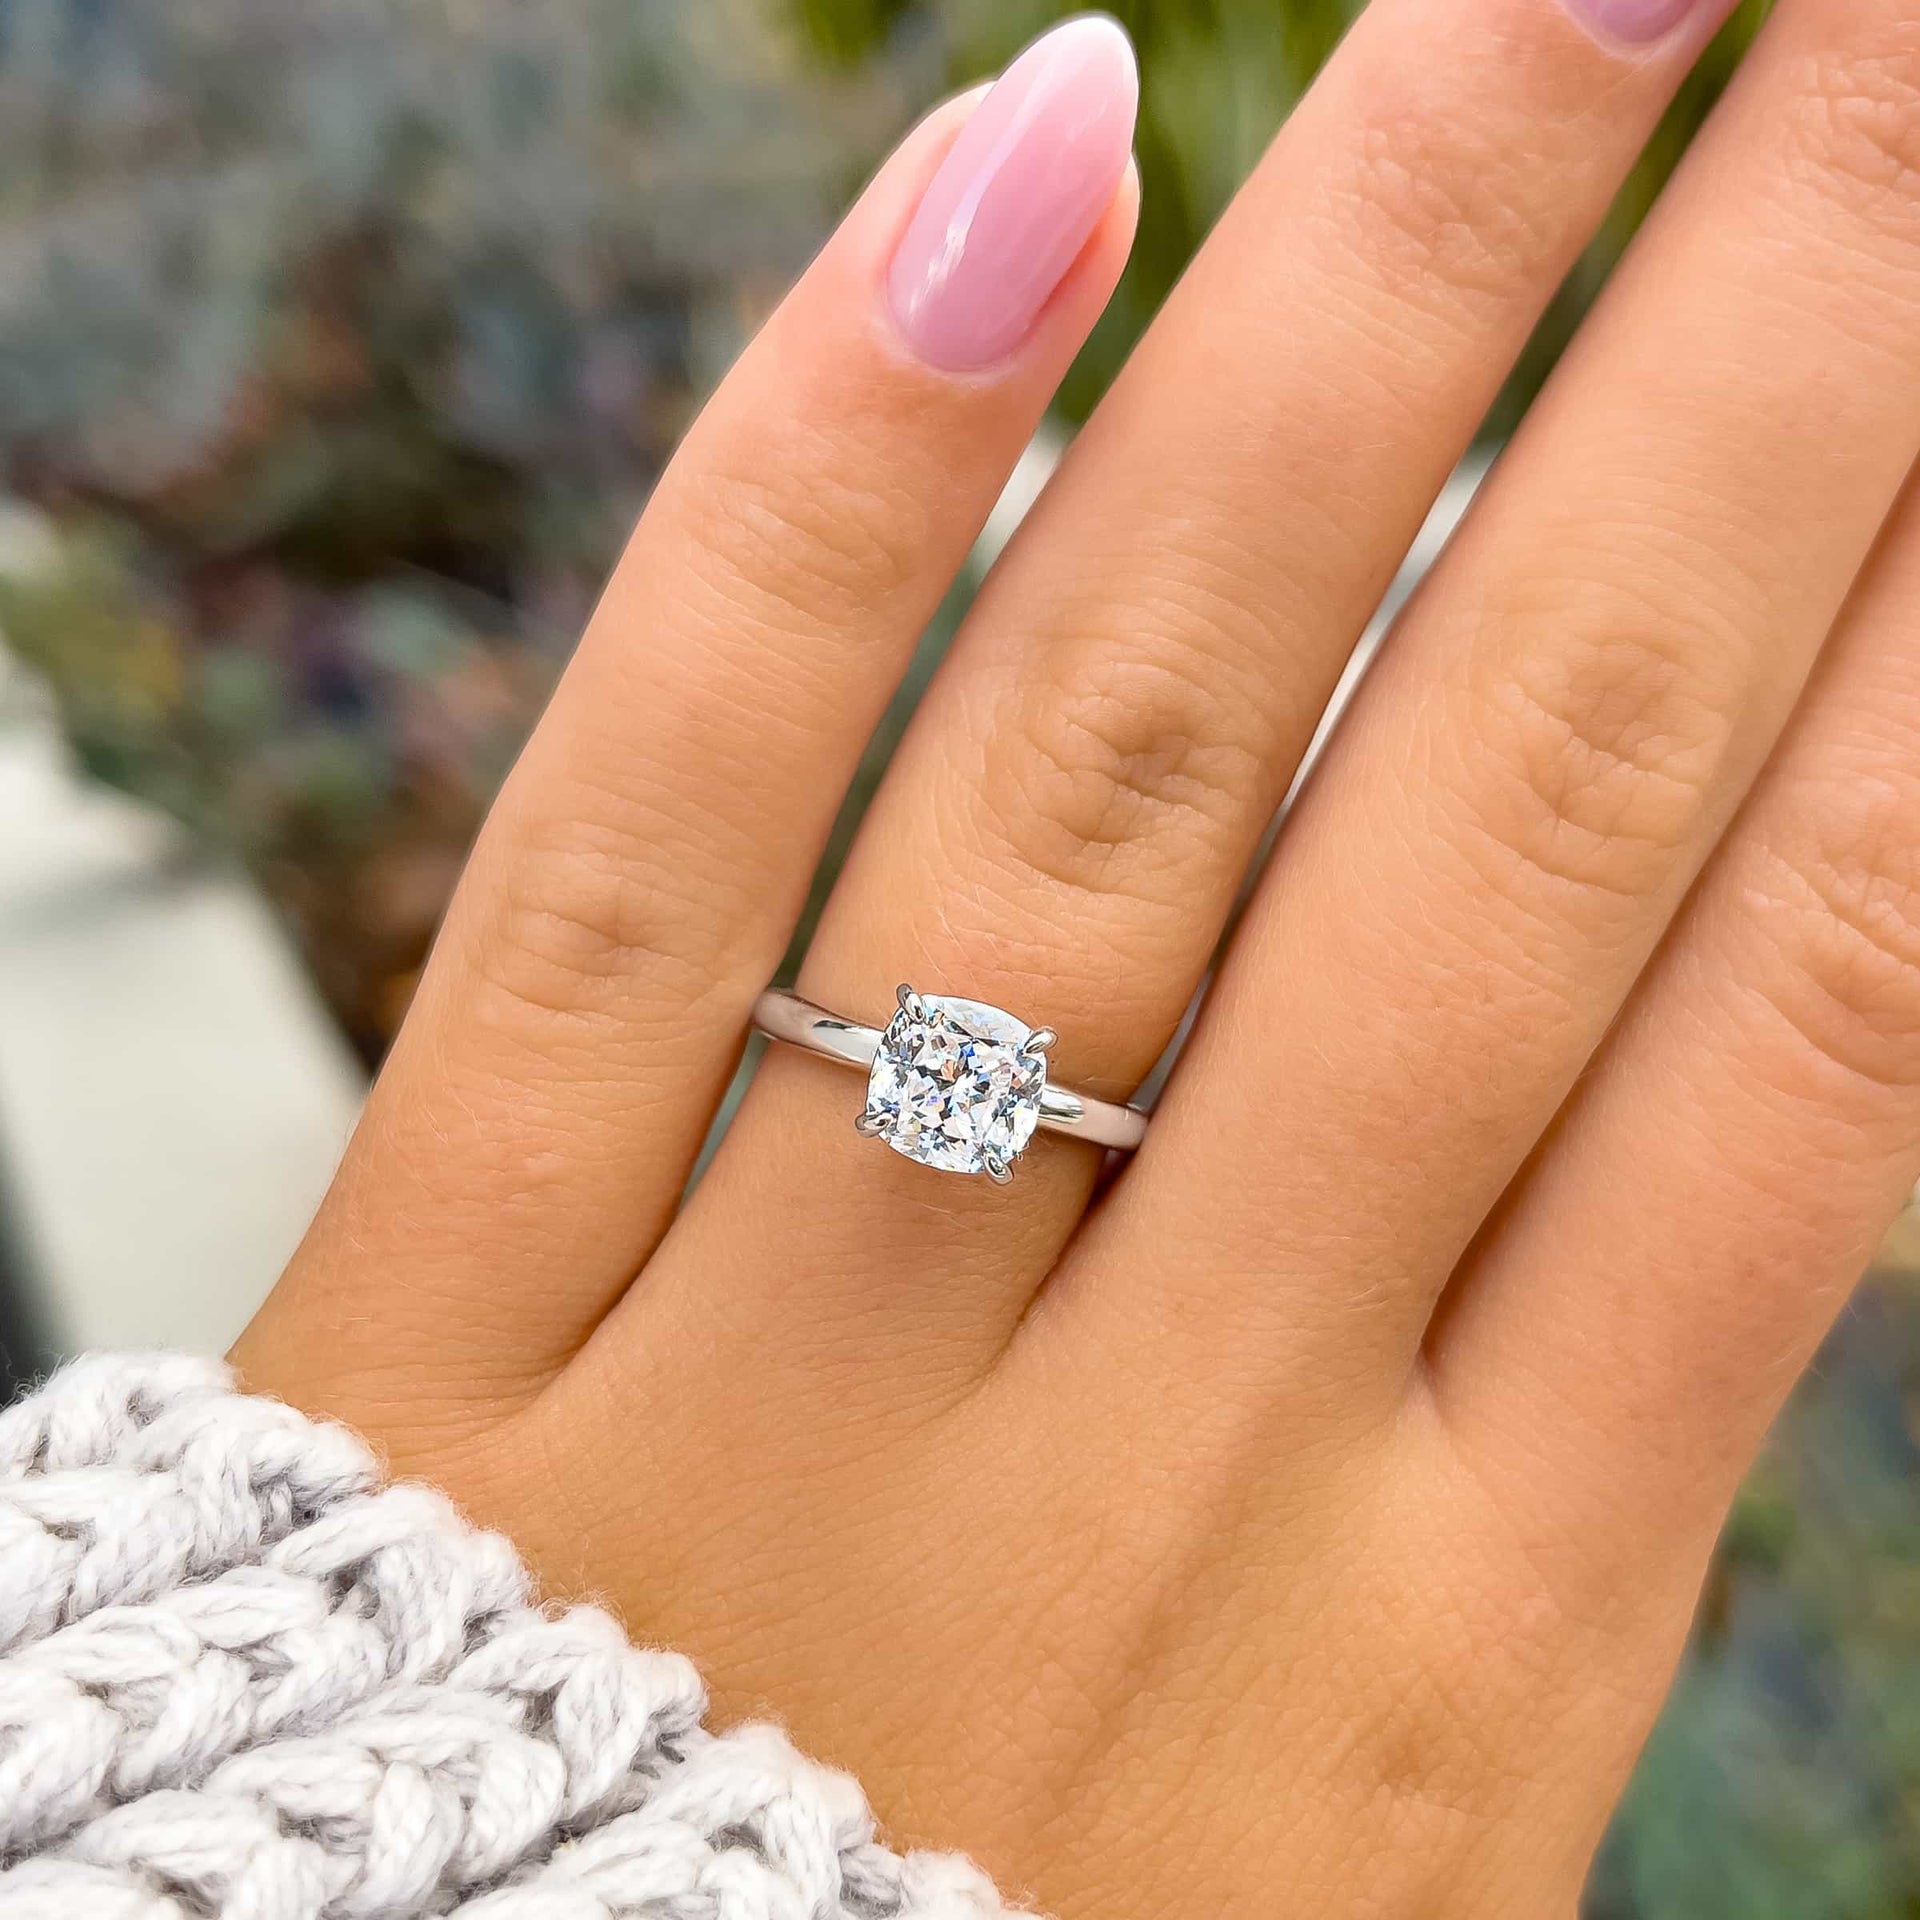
{"type": "Point", "coordinates": [1311, 1521]}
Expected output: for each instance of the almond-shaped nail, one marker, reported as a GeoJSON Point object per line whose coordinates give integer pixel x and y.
{"type": "Point", "coordinates": [1639, 23]}
{"type": "Point", "coordinates": [1017, 197]}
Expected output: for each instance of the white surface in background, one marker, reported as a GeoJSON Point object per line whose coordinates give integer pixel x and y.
{"type": "Point", "coordinates": [1031, 472]}
{"type": "Point", "coordinates": [172, 1097]}
{"type": "Point", "coordinates": [1442, 519]}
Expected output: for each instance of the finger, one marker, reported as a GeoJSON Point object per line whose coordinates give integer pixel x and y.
{"type": "Point", "coordinates": [643, 870]}
{"type": "Point", "coordinates": [1558, 733]}
{"type": "Point", "coordinates": [1721, 1178]}
{"type": "Point", "coordinates": [1063, 830]}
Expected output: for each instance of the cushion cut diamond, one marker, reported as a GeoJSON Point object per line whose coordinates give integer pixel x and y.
{"type": "Point", "coordinates": [955, 1085]}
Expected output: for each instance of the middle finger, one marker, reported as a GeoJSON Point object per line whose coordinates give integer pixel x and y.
{"type": "Point", "coordinates": [1566, 720]}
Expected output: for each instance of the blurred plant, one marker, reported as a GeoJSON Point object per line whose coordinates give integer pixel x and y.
{"type": "Point", "coordinates": [339, 347]}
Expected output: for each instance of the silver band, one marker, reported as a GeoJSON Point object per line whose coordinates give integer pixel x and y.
{"type": "Point", "coordinates": [781, 1015]}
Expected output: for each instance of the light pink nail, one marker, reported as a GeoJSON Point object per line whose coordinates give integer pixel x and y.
{"type": "Point", "coordinates": [1638, 23]}
{"type": "Point", "coordinates": [1017, 196]}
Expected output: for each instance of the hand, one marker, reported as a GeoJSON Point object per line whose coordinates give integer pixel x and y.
{"type": "Point", "coordinates": [1312, 1519]}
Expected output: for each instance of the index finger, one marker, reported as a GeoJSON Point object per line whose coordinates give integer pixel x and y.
{"type": "Point", "coordinates": [641, 874]}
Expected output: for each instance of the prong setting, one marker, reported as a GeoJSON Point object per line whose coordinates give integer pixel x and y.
{"type": "Point", "coordinates": [956, 1084]}
{"type": "Point", "coordinates": [1040, 1039]}
{"type": "Point", "coordinates": [782, 1015]}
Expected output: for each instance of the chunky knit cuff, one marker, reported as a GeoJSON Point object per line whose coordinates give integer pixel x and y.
{"type": "Point", "coordinates": [241, 1677]}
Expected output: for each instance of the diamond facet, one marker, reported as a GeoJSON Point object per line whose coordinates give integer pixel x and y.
{"type": "Point", "coordinates": [955, 1085]}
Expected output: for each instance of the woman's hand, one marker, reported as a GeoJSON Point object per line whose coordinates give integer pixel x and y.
{"type": "Point", "coordinates": [1313, 1522]}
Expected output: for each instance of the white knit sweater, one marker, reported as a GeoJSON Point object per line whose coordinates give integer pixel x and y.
{"type": "Point", "coordinates": [241, 1677]}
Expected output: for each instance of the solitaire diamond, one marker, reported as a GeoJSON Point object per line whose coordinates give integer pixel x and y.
{"type": "Point", "coordinates": [956, 1084]}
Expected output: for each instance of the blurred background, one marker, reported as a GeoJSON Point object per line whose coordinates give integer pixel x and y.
{"type": "Point", "coordinates": [339, 346]}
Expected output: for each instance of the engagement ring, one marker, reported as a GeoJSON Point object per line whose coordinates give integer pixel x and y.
{"type": "Point", "coordinates": [951, 1083]}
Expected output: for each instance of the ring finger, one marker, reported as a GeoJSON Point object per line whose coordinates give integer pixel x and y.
{"type": "Point", "coordinates": [1065, 826]}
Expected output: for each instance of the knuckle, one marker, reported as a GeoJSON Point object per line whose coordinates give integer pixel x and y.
{"type": "Point", "coordinates": [1109, 777]}
{"type": "Point", "coordinates": [1852, 130]}
{"type": "Point", "coordinates": [1604, 732]}
{"type": "Point", "coordinates": [1840, 900]}
{"type": "Point", "coordinates": [581, 928]}
{"type": "Point", "coordinates": [1436, 208]}
{"type": "Point", "coordinates": [807, 539]}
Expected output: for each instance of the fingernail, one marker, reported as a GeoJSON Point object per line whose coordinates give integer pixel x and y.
{"type": "Point", "coordinates": [1017, 196]}
{"type": "Point", "coordinates": [1638, 23]}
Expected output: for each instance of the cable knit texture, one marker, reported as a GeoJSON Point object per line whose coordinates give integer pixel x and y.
{"type": "Point", "coordinates": [241, 1677]}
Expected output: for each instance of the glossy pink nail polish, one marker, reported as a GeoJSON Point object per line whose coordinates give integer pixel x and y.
{"type": "Point", "coordinates": [1638, 23]}
{"type": "Point", "coordinates": [1017, 196]}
